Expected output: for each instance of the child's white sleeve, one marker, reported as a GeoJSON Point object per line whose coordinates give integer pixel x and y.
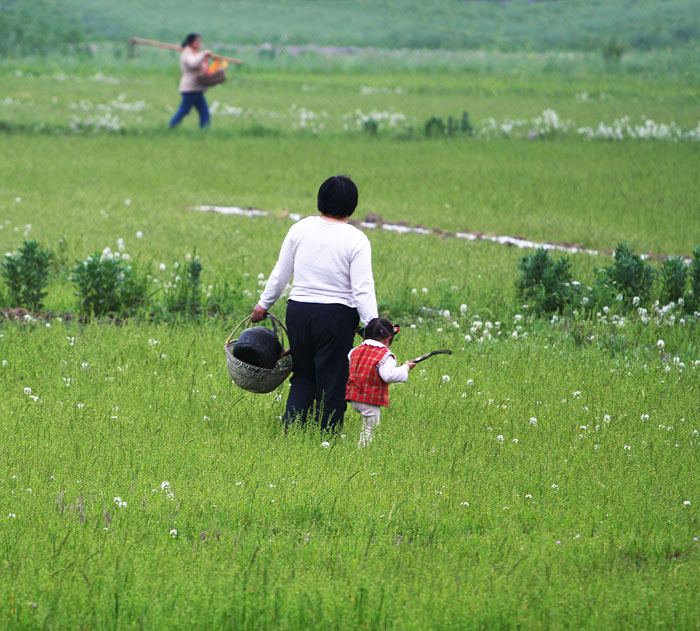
{"type": "Point", "coordinates": [390, 372]}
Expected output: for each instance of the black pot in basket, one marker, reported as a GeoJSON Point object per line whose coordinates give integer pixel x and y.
{"type": "Point", "coordinates": [258, 346]}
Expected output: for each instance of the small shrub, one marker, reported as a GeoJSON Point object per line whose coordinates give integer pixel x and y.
{"type": "Point", "coordinates": [184, 294]}
{"type": "Point", "coordinates": [453, 126]}
{"type": "Point", "coordinates": [628, 277]}
{"type": "Point", "coordinates": [370, 126]}
{"type": "Point", "coordinates": [673, 275]}
{"type": "Point", "coordinates": [435, 126]}
{"type": "Point", "coordinates": [26, 275]}
{"type": "Point", "coordinates": [692, 299]}
{"type": "Point", "coordinates": [466, 125]}
{"type": "Point", "coordinates": [107, 285]}
{"type": "Point", "coordinates": [223, 298]}
{"type": "Point", "coordinates": [544, 282]}
{"type": "Point", "coordinates": [613, 49]}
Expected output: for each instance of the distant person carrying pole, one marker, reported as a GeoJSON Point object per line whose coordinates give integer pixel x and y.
{"type": "Point", "coordinates": [193, 63]}
{"type": "Point", "coordinates": [196, 75]}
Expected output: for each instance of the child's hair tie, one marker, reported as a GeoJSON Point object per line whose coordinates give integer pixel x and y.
{"type": "Point", "coordinates": [379, 329]}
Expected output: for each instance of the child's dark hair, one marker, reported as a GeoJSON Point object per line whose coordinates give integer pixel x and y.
{"type": "Point", "coordinates": [189, 39]}
{"type": "Point", "coordinates": [380, 329]}
{"type": "Point", "coordinates": [337, 197]}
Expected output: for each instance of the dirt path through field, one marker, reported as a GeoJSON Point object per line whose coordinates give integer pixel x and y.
{"type": "Point", "coordinates": [372, 222]}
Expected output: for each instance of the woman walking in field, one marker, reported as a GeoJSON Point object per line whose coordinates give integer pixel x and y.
{"type": "Point", "coordinates": [332, 288]}
{"type": "Point", "coordinates": [193, 63]}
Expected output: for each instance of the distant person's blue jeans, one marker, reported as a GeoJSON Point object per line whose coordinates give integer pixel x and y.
{"type": "Point", "coordinates": [190, 99]}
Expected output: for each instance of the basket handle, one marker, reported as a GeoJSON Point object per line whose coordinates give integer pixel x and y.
{"type": "Point", "coordinates": [246, 320]}
{"type": "Point", "coordinates": [249, 319]}
{"type": "Point", "coordinates": [276, 320]}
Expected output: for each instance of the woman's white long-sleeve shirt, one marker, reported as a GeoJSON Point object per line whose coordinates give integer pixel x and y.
{"type": "Point", "coordinates": [330, 262]}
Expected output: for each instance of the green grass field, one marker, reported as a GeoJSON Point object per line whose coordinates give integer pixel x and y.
{"type": "Point", "coordinates": [465, 514]}
{"type": "Point", "coordinates": [446, 24]}
{"type": "Point", "coordinates": [544, 476]}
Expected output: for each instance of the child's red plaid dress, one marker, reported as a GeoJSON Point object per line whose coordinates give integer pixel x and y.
{"type": "Point", "coordinates": [364, 384]}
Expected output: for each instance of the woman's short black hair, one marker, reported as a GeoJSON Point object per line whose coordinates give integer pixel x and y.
{"type": "Point", "coordinates": [189, 38]}
{"type": "Point", "coordinates": [380, 329]}
{"type": "Point", "coordinates": [337, 197]}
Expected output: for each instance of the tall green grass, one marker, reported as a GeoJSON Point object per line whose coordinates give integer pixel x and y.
{"type": "Point", "coordinates": [544, 484]}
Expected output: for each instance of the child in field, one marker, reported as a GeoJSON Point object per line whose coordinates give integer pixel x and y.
{"type": "Point", "coordinates": [372, 368]}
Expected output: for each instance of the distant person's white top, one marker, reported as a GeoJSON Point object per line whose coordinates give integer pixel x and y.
{"type": "Point", "coordinates": [331, 263]}
{"type": "Point", "coordinates": [192, 65]}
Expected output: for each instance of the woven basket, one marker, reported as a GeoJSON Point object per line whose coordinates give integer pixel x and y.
{"type": "Point", "coordinates": [207, 80]}
{"type": "Point", "coordinates": [254, 378]}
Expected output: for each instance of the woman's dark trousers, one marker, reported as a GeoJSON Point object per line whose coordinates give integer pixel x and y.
{"type": "Point", "coordinates": [320, 338]}
{"type": "Point", "coordinates": [190, 99]}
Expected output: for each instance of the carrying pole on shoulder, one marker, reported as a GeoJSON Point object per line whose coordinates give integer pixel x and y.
{"type": "Point", "coordinates": [149, 42]}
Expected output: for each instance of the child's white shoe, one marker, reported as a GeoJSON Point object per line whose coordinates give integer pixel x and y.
{"type": "Point", "coordinates": [365, 439]}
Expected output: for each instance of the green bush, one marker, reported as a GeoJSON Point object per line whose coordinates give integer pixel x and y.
{"type": "Point", "coordinates": [613, 49]}
{"type": "Point", "coordinates": [692, 299]}
{"type": "Point", "coordinates": [436, 126]}
{"type": "Point", "coordinates": [544, 282]}
{"type": "Point", "coordinates": [26, 275]}
{"type": "Point", "coordinates": [223, 298]}
{"type": "Point", "coordinates": [629, 277]}
{"type": "Point", "coordinates": [370, 126]}
{"type": "Point", "coordinates": [107, 285]}
{"type": "Point", "coordinates": [183, 295]}
{"type": "Point", "coordinates": [673, 276]}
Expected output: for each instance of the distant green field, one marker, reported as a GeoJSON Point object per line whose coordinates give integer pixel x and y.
{"type": "Point", "coordinates": [563, 187]}
{"type": "Point", "coordinates": [448, 24]}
